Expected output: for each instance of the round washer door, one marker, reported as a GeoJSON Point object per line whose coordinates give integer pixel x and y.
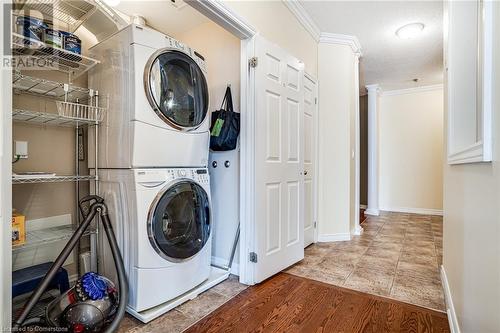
{"type": "Point", "coordinates": [177, 89]}
{"type": "Point", "coordinates": [179, 222]}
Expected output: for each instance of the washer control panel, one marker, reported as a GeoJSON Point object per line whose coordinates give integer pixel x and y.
{"type": "Point", "coordinates": [200, 174]}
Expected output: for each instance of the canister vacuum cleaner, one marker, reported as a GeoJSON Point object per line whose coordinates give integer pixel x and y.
{"type": "Point", "coordinates": [94, 304]}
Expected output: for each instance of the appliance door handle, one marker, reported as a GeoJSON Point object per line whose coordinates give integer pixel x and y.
{"type": "Point", "coordinates": [152, 184]}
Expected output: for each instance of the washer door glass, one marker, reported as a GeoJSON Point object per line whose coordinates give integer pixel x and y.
{"type": "Point", "coordinates": [178, 89]}
{"type": "Point", "coordinates": [180, 224]}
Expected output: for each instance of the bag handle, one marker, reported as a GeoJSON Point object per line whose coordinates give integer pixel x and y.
{"type": "Point", "coordinates": [228, 100]}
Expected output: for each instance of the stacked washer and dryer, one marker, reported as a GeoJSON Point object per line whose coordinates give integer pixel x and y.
{"type": "Point", "coordinates": [153, 155]}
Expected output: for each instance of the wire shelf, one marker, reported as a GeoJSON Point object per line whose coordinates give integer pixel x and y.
{"type": "Point", "coordinates": [52, 179]}
{"type": "Point", "coordinates": [25, 84]}
{"type": "Point", "coordinates": [49, 119]}
{"type": "Point", "coordinates": [46, 236]}
{"type": "Point", "coordinates": [71, 13]}
{"type": "Point", "coordinates": [34, 54]}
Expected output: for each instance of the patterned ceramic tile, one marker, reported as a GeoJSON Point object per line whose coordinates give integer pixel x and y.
{"type": "Point", "coordinates": [420, 291]}
{"type": "Point", "coordinates": [398, 256]}
{"type": "Point", "coordinates": [180, 318]}
{"type": "Point", "coordinates": [370, 281]}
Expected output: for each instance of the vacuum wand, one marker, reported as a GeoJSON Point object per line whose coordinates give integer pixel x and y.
{"type": "Point", "coordinates": [98, 206]}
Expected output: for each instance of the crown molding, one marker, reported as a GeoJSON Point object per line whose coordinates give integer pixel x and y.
{"type": "Point", "coordinates": [303, 17]}
{"type": "Point", "coordinates": [322, 37]}
{"type": "Point", "coordinates": [220, 13]}
{"type": "Point", "coordinates": [352, 41]}
{"type": "Point", "coordinates": [412, 90]}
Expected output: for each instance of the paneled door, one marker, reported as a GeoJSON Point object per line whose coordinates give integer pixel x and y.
{"type": "Point", "coordinates": [279, 182]}
{"type": "Point", "coordinates": [309, 115]}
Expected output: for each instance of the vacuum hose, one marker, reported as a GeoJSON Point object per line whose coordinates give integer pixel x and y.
{"type": "Point", "coordinates": [120, 269]}
{"type": "Point", "coordinates": [98, 206]}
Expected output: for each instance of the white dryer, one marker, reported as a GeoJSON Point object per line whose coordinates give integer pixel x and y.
{"type": "Point", "coordinates": [158, 101]}
{"type": "Point", "coordinates": [162, 219]}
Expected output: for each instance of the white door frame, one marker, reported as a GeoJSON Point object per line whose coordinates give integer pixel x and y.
{"type": "Point", "coordinates": [219, 13]}
{"type": "Point", "coordinates": [247, 165]}
{"type": "Point", "coordinates": [316, 151]}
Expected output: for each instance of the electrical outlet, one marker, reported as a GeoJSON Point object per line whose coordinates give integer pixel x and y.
{"type": "Point", "coordinates": [20, 149]}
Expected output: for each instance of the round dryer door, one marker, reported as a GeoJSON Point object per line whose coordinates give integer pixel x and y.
{"type": "Point", "coordinates": [179, 224]}
{"type": "Point", "coordinates": [177, 89]}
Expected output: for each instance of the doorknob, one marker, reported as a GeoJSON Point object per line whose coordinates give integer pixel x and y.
{"type": "Point", "coordinates": [305, 172]}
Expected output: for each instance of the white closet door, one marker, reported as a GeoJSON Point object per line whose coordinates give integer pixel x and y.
{"type": "Point", "coordinates": [279, 141]}
{"type": "Point", "coordinates": [309, 159]}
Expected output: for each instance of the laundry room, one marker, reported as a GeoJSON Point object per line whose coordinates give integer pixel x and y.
{"type": "Point", "coordinates": [128, 119]}
{"type": "Point", "coordinates": [249, 166]}
{"type": "Point", "coordinates": [144, 181]}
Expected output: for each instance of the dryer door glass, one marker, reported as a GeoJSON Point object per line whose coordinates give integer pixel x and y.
{"type": "Point", "coordinates": [180, 224]}
{"type": "Point", "coordinates": [178, 90]}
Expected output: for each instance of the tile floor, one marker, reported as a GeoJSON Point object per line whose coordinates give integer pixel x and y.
{"type": "Point", "coordinates": [187, 314]}
{"type": "Point", "coordinates": [397, 256]}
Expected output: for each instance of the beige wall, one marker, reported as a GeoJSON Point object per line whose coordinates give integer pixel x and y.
{"type": "Point", "coordinates": [336, 110]}
{"type": "Point", "coordinates": [471, 240]}
{"type": "Point", "coordinates": [274, 21]}
{"type": "Point", "coordinates": [221, 51]}
{"type": "Point", "coordinates": [410, 151]}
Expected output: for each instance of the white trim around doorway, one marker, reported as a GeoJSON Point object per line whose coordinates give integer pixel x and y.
{"type": "Point", "coordinates": [219, 13]}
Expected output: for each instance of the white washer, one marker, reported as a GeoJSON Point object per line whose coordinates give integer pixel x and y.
{"type": "Point", "coordinates": [158, 101]}
{"type": "Point", "coordinates": [162, 219]}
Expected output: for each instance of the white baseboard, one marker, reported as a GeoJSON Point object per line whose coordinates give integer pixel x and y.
{"type": "Point", "coordinates": [357, 230]}
{"type": "Point", "coordinates": [363, 206]}
{"type": "Point", "coordinates": [334, 237]}
{"type": "Point", "coordinates": [372, 212]}
{"type": "Point", "coordinates": [423, 211]}
{"type": "Point", "coordinates": [450, 309]}
{"type": "Point", "coordinates": [235, 268]}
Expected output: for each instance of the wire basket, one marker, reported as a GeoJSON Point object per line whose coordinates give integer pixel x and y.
{"type": "Point", "coordinates": [80, 111]}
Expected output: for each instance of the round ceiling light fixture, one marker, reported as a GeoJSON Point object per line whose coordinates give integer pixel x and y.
{"type": "Point", "coordinates": [409, 31]}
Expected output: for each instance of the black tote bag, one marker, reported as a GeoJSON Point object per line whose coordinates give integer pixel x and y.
{"type": "Point", "coordinates": [225, 126]}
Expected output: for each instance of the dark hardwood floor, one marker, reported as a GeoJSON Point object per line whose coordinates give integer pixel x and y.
{"type": "Point", "coordinates": [288, 303]}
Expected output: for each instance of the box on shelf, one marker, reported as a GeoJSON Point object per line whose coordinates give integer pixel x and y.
{"type": "Point", "coordinates": [18, 229]}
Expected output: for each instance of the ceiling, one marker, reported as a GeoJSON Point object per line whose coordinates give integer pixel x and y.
{"type": "Point", "coordinates": [387, 60]}
{"type": "Point", "coordinates": [170, 17]}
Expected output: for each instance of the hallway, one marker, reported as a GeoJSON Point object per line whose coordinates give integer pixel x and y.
{"type": "Point", "coordinates": [397, 256]}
